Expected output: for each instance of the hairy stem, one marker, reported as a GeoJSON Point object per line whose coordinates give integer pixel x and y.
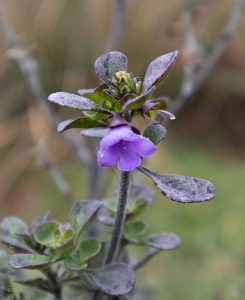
{"type": "Point", "coordinates": [120, 218]}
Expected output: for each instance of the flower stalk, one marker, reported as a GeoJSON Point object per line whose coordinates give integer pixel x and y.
{"type": "Point", "coordinates": [119, 219]}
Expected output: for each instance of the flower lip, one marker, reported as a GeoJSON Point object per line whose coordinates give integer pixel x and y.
{"type": "Point", "coordinates": [124, 146]}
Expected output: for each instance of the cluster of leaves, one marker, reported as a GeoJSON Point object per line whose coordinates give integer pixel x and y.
{"type": "Point", "coordinates": [67, 258]}
{"type": "Point", "coordinates": [119, 93]}
{"type": "Point", "coordinates": [62, 253]}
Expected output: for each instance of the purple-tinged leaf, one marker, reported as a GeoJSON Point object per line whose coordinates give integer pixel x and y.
{"type": "Point", "coordinates": [115, 279]}
{"type": "Point", "coordinates": [83, 213]}
{"type": "Point", "coordinates": [182, 189]}
{"type": "Point", "coordinates": [79, 123]}
{"type": "Point", "coordinates": [29, 261]}
{"type": "Point", "coordinates": [137, 102]}
{"type": "Point", "coordinates": [74, 101]}
{"type": "Point", "coordinates": [108, 64]}
{"type": "Point", "coordinates": [158, 70]}
{"type": "Point", "coordinates": [95, 132]}
{"type": "Point", "coordinates": [154, 104]}
{"type": "Point", "coordinates": [15, 242]}
{"type": "Point", "coordinates": [13, 226]}
{"type": "Point", "coordinates": [162, 241]}
{"type": "Point", "coordinates": [86, 92]}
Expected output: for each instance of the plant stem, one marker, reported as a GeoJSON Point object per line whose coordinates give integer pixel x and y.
{"type": "Point", "coordinates": [120, 218]}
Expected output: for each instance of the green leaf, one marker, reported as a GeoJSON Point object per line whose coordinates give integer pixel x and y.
{"type": "Point", "coordinates": [87, 249]}
{"type": "Point", "coordinates": [38, 283]}
{"type": "Point", "coordinates": [83, 213]}
{"type": "Point", "coordinates": [13, 225]}
{"type": "Point", "coordinates": [162, 241]}
{"type": "Point", "coordinates": [135, 230]}
{"type": "Point", "coordinates": [29, 261]}
{"type": "Point", "coordinates": [182, 189]}
{"type": "Point", "coordinates": [155, 133]}
{"type": "Point", "coordinates": [74, 101]}
{"type": "Point", "coordinates": [115, 279]}
{"type": "Point", "coordinates": [53, 235]}
{"type": "Point", "coordinates": [158, 70]}
{"type": "Point", "coordinates": [99, 97]}
{"type": "Point", "coordinates": [79, 123]}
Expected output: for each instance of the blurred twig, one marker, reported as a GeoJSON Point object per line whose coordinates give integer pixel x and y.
{"type": "Point", "coordinates": [29, 68]}
{"type": "Point", "coordinates": [56, 175]}
{"type": "Point", "coordinates": [194, 77]}
{"type": "Point", "coordinates": [116, 27]}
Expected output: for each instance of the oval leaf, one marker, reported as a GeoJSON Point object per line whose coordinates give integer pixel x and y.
{"type": "Point", "coordinates": [135, 230]}
{"type": "Point", "coordinates": [74, 101]}
{"type": "Point", "coordinates": [108, 64]}
{"type": "Point", "coordinates": [162, 241]}
{"type": "Point", "coordinates": [52, 235]}
{"type": "Point", "coordinates": [29, 261]}
{"type": "Point", "coordinates": [87, 249]}
{"type": "Point", "coordinates": [158, 70]}
{"type": "Point", "coordinates": [182, 189]}
{"type": "Point", "coordinates": [155, 133]}
{"type": "Point", "coordinates": [115, 279]}
{"type": "Point", "coordinates": [79, 123]}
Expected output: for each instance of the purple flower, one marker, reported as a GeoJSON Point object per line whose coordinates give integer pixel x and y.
{"type": "Point", "coordinates": [124, 146]}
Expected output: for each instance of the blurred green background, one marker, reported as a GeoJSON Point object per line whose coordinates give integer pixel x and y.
{"type": "Point", "coordinates": [206, 140]}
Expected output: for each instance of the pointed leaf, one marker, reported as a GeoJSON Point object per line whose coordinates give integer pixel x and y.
{"type": "Point", "coordinates": [74, 101]}
{"type": "Point", "coordinates": [158, 70]}
{"type": "Point", "coordinates": [108, 64]}
{"type": "Point", "coordinates": [162, 241]}
{"type": "Point", "coordinates": [155, 133]}
{"type": "Point", "coordinates": [15, 242]}
{"type": "Point", "coordinates": [137, 102]}
{"type": "Point", "coordinates": [115, 279]}
{"type": "Point", "coordinates": [82, 213]}
{"type": "Point", "coordinates": [13, 225]}
{"type": "Point", "coordinates": [79, 123]}
{"type": "Point", "coordinates": [29, 261]}
{"type": "Point", "coordinates": [95, 132]}
{"type": "Point", "coordinates": [87, 249]}
{"type": "Point", "coordinates": [182, 189]}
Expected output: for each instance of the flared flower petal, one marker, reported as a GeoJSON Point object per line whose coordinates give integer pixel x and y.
{"type": "Point", "coordinates": [123, 145]}
{"type": "Point", "coordinates": [144, 147]}
{"type": "Point", "coordinates": [129, 162]}
{"type": "Point", "coordinates": [107, 157]}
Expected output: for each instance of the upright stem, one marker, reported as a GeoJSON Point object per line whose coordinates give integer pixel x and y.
{"type": "Point", "coordinates": [120, 218]}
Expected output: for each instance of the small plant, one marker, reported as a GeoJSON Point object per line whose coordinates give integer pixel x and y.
{"type": "Point", "coordinates": [70, 262]}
